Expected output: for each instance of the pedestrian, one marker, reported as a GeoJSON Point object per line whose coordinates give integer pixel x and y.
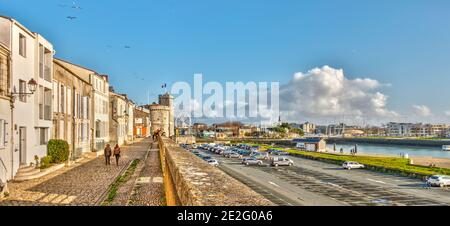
{"type": "Point", "coordinates": [117, 153]}
{"type": "Point", "coordinates": [108, 154]}
{"type": "Point", "coordinates": [342, 151]}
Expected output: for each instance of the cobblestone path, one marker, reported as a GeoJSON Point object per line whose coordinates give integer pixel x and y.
{"type": "Point", "coordinates": [149, 189]}
{"type": "Point", "coordinates": [84, 183]}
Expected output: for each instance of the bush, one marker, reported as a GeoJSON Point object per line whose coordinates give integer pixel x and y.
{"type": "Point", "coordinates": [46, 162]}
{"type": "Point", "coordinates": [58, 150]}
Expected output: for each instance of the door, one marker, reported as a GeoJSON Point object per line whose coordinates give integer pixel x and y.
{"type": "Point", "coordinates": [23, 145]}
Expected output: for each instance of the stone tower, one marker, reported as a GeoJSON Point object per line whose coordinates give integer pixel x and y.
{"type": "Point", "coordinates": [167, 100]}
{"type": "Point", "coordinates": [159, 117]}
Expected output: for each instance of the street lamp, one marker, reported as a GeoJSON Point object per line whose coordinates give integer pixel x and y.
{"type": "Point", "coordinates": [32, 86]}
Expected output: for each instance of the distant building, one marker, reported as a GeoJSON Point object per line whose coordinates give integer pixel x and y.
{"type": "Point", "coordinates": [159, 116]}
{"type": "Point", "coordinates": [207, 134]}
{"type": "Point", "coordinates": [100, 99]}
{"type": "Point", "coordinates": [399, 129]}
{"type": "Point", "coordinates": [311, 144]}
{"type": "Point", "coordinates": [245, 131]}
{"type": "Point", "coordinates": [342, 129]}
{"type": "Point", "coordinates": [308, 128]}
{"type": "Point", "coordinates": [72, 118]}
{"type": "Point", "coordinates": [118, 121]}
{"type": "Point", "coordinates": [416, 130]}
{"type": "Point", "coordinates": [167, 100]}
{"type": "Point", "coordinates": [142, 123]}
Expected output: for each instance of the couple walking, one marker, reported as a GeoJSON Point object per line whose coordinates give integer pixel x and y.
{"type": "Point", "coordinates": [109, 152]}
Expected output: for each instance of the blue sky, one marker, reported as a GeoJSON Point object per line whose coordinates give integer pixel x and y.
{"type": "Point", "coordinates": [404, 43]}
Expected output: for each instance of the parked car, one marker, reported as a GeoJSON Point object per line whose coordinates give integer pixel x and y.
{"type": "Point", "coordinates": [213, 162]}
{"type": "Point", "coordinates": [226, 152]}
{"type": "Point", "coordinates": [252, 161]}
{"type": "Point", "coordinates": [352, 165]}
{"type": "Point", "coordinates": [260, 155]}
{"type": "Point", "coordinates": [219, 150]}
{"type": "Point", "coordinates": [244, 152]}
{"type": "Point", "coordinates": [281, 153]}
{"type": "Point", "coordinates": [272, 151]}
{"type": "Point", "coordinates": [206, 157]}
{"type": "Point", "coordinates": [277, 152]}
{"type": "Point", "coordinates": [233, 155]}
{"type": "Point", "coordinates": [281, 161]}
{"type": "Point", "coordinates": [438, 181]}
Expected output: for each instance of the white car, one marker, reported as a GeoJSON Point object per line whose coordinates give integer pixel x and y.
{"type": "Point", "coordinates": [213, 162]}
{"type": "Point", "coordinates": [438, 181]}
{"type": "Point", "coordinates": [281, 161]}
{"type": "Point", "coordinates": [352, 165]}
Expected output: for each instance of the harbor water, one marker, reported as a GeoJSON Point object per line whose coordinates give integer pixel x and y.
{"type": "Point", "coordinates": [392, 150]}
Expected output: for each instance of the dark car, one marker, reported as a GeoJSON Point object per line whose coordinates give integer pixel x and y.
{"type": "Point", "coordinates": [245, 152]}
{"type": "Point", "coordinates": [206, 157]}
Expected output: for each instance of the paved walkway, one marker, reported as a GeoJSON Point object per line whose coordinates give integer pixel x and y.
{"type": "Point", "coordinates": [427, 161]}
{"type": "Point", "coordinates": [85, 183]}
{"type": "Point", "coordinates": [149, 188]}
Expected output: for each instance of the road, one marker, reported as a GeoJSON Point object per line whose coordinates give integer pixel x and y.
{"type": "Point", "coordinates": [313, 183]}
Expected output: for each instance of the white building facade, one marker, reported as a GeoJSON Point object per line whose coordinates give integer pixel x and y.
{"type": "Point", "coordinates": [31, 60]}
{"type": "Point", "coordinates": [118, 121]}
{"type": "Point", "coordinates": [5, 116]}
{"type": "Point", "coordinates": [101, 110]}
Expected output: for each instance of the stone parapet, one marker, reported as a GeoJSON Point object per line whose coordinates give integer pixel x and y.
{"type": "Point", "coordinates": [196, 183]}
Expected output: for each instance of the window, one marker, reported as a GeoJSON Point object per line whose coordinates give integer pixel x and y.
{"type": "Point", "coordinates": [62, 101]}
{"type": "Point", "coordinates": [69, 101]}
{"type": "Point", "coordinates": [22, 45]}
{"type": "Point", "coordinates": [4, 81]}
{"type": "Point", "coordinates": [41, 102]}
{"type": "Point", "coordinates": [98, 129]}
{"type": "Point", "coordinates": [47, 104]}
{"type": "Point", "coordinates": [22, 89]}
{"type": "Point", "coordinates": [55, 96]}
{"type": "Point", "coordinates": [2, 133]}
{"type": "Point", "coordinates": [43, 136]}
{"type": "Point", "coordinates": [41, 61]}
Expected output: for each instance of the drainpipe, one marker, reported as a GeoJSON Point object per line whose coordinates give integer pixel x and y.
{"type": "Point", "coordinates": [11, 106]}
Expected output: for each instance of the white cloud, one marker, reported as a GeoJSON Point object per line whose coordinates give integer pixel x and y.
{"type": "Point", "coordinates": [326, 92]}
{"type": "Point", "coordinates": [422, 110]}
{"type": "Point", "coordinates": [447, 113]}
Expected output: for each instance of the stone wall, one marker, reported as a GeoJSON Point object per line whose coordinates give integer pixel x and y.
{"type": "Point", "coordinates": [196, 183]}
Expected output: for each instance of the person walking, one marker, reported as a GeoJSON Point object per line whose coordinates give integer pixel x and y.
{"type": "Point", "coordinates": [108, 153]}
{"type": "Point", "coordinates": [117, 153]}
